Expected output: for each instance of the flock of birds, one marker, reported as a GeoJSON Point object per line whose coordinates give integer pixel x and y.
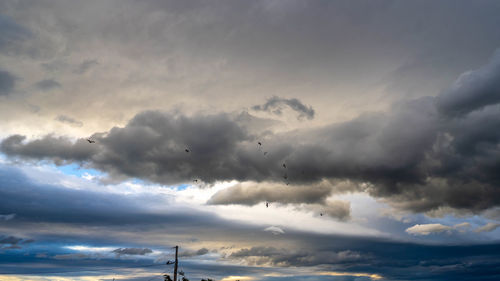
{"type": "Point", "coordinates": [285, 176]}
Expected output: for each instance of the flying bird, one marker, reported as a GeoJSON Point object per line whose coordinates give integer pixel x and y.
{"type": "Point", "coordinates": [195, 180]}
{"type": "Point", "coordinates": [265, 152]}
{"type": "Point", "coordinates": [91, 141]}
{"type": "Point", "coordinates": [260, 144]}
{"type": "Point", "coordinates": [187, 150]}
{"type": "Point", "coordinates": [284, 165]}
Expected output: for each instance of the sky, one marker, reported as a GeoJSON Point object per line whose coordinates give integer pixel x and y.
{"type": "Point", "coordinates": [270, 140]}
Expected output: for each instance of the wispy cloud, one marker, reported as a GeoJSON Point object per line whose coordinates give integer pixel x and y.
{"type": "Point", "coordinates": [491, 226]}
{"type": "Point", "coordinates": [69, 120]}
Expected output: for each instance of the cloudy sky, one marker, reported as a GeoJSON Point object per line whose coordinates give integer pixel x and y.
{"type": "Point", "coordinates": [270, 140]}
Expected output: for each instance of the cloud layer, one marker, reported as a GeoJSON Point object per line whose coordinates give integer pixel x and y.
{"type": "Point", "coordinates": [412, 154]}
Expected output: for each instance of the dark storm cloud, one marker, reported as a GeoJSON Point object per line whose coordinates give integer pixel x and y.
{"type": "Point", "coordinates": [276, 106]}
{"type": "Point", "coordinates": [415, 154]}
{"type": "Point", "coordinates": [41, 207]}
{"type": "Point", "coordinates": [58, 149]}
{"type": "Point", "coordinates": [132, 251]}
{"type": "Point", "coordinates": [389, 259]}
{"type": "Point", "coordinates": [473, 89]}
{"type": "Point", "coordinates": [7, 82]}
{"type": "Point", "coordinates": [121, 151]}
{"type": "Point", "coordinates": [69, 120]}
{"type": "Point", "coordinates": [47, 84]}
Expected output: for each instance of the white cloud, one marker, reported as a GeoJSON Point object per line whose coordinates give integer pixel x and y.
{"type": "Point", "coordinates": [275, 230]}
{"type": "Point", "coordinates": [426, 229]}
{"type": "Point", "coordinates": [81, 248]}
{"type": "Point", "coordinates": [462, 227]}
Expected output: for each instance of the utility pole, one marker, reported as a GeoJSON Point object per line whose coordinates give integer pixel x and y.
{"type": "Point", "coordinates": [176, 262]}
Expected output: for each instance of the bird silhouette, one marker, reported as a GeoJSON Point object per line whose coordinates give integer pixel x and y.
{"type": "Point", "coordinates": [321, 214]}
{"type": "Point", "coordinates": [195, 180]}
{"type": "Point", "coordinates": [284, 165]}
{"type": "Point", "coordinates": [91, 141]}
{"type": "Point", "coordinates": [259, 143]}
{"type": "Point", "coordinates": [187, 150]}
{"type": "Point", "coordinates": [265, 152]}
{"type": "Point", "coordinates": [267, 204]}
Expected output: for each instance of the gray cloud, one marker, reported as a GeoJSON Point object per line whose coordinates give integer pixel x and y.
{"type": "Point", "coordinates": [77, 256]}
{"type": "Point", "coordinates": [311, 197]}
{"type": "Point", "coordinates": [69, 120]}
{"type": "Point", "coordinates": [473, 89]}
{"type": "Point", "coordinates": [7, 83]}
{"type": "Point", "coordinates": [198, 252]}
{"type": "Point", "coordinates": [132, 251]}
{"type": "Point", "coordinates": [337, 209]}
{"type": "Point", "coordinates": [64, 216]}
{"type": "Point", "coordinates": [283, 257]}
{"type": "Point", "coordinates": [276, 105]}
{"type": "Point", "coordinates": [12, 34]}
{"type": "Point", "coordinates": [204, 58]}
{"type": "Point", "coordinates": [57, 149]}
{"type": "Point", "coordinates": [47, 84]}
{"type": "Point", "coordinates": [85, 66]}
{"type": "Point", "coordinates": [411, 155]}
{"type": "Point", "coordinates": [252, 194]}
